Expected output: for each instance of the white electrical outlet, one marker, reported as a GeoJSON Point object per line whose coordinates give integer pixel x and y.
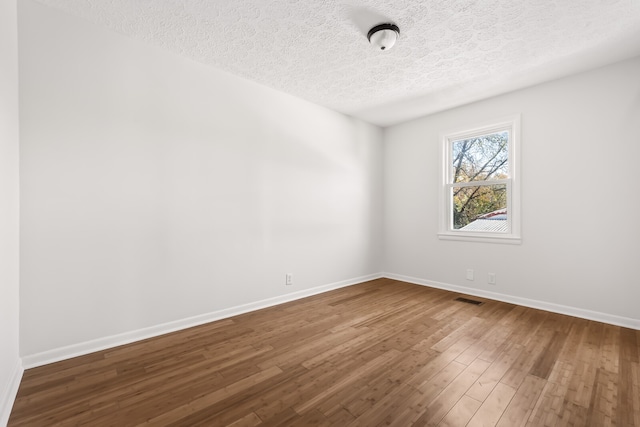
{"type": "Point", "coordinates": [492, 278]}
{"type": "Point", "coordinates": [288, 279]}
{"type": "Point", "coordinates": [469, 274]}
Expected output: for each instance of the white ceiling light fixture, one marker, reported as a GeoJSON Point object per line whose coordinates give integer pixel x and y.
{"type": "Point", "coordinates": [383, 36]}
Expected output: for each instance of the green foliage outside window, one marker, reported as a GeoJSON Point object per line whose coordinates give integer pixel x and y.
{"type": "Point", "coordinates": [479, 159]}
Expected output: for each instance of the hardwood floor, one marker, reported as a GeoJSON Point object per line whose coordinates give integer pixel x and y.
{"type": "Point", "coordinates": [379, 353]}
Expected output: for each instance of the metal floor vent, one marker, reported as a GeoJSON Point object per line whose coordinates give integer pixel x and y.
{"type": "Point", "coordinates": [469, 301]}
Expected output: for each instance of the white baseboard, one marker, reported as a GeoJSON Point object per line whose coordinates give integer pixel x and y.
{"type": "Point", "coordinates": [63, 353]}
{"type": "Point", "coordinates": [9, 393]}
{"type": "Point", "coordinates": [67, 352]}
{"type": "Point", "coordinates": [612, 319]}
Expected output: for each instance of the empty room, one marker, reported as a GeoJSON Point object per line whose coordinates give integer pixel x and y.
{"type": "Point", "coordinates": [336, 213]}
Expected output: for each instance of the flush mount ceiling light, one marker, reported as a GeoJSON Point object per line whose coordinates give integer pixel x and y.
{"type": "Point", "coordinates": [383, 36]}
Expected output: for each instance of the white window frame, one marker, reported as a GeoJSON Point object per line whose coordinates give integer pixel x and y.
{"type": "Point", "coordinates": [446, 230]}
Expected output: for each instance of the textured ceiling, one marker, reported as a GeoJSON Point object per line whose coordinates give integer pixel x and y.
{"type": "Point", "coordinates": [449, 52]}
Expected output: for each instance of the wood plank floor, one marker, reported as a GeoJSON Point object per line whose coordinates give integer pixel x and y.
{"type": "Point", "coordinates": [379, 353]}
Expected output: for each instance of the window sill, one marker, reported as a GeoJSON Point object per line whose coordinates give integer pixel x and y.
{"type": "Point", "coordinates": [481, 238]}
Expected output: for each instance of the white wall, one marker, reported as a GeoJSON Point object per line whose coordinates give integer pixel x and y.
{"type": "Point", "coordinates": [10, 365]}
{"type": "Point", "coordinates": [580, 222]}
{"type": "Point", "coordinates": [155, 189]}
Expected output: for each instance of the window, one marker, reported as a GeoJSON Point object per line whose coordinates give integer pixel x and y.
{"type": "Point", "coordinates": [480, 197]}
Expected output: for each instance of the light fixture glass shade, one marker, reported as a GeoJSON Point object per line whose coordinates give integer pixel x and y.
{"type": "Point", "coordinates": [383, 36]}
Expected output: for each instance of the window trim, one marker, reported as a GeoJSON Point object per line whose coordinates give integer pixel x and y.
{"type": "Point", "coordinates": [446, 231]}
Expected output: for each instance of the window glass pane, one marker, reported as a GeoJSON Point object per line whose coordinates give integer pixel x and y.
{"type": "Point", "coordinates": [480, 208]}
{"type": "Point", "coordinates": [481, 158]}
